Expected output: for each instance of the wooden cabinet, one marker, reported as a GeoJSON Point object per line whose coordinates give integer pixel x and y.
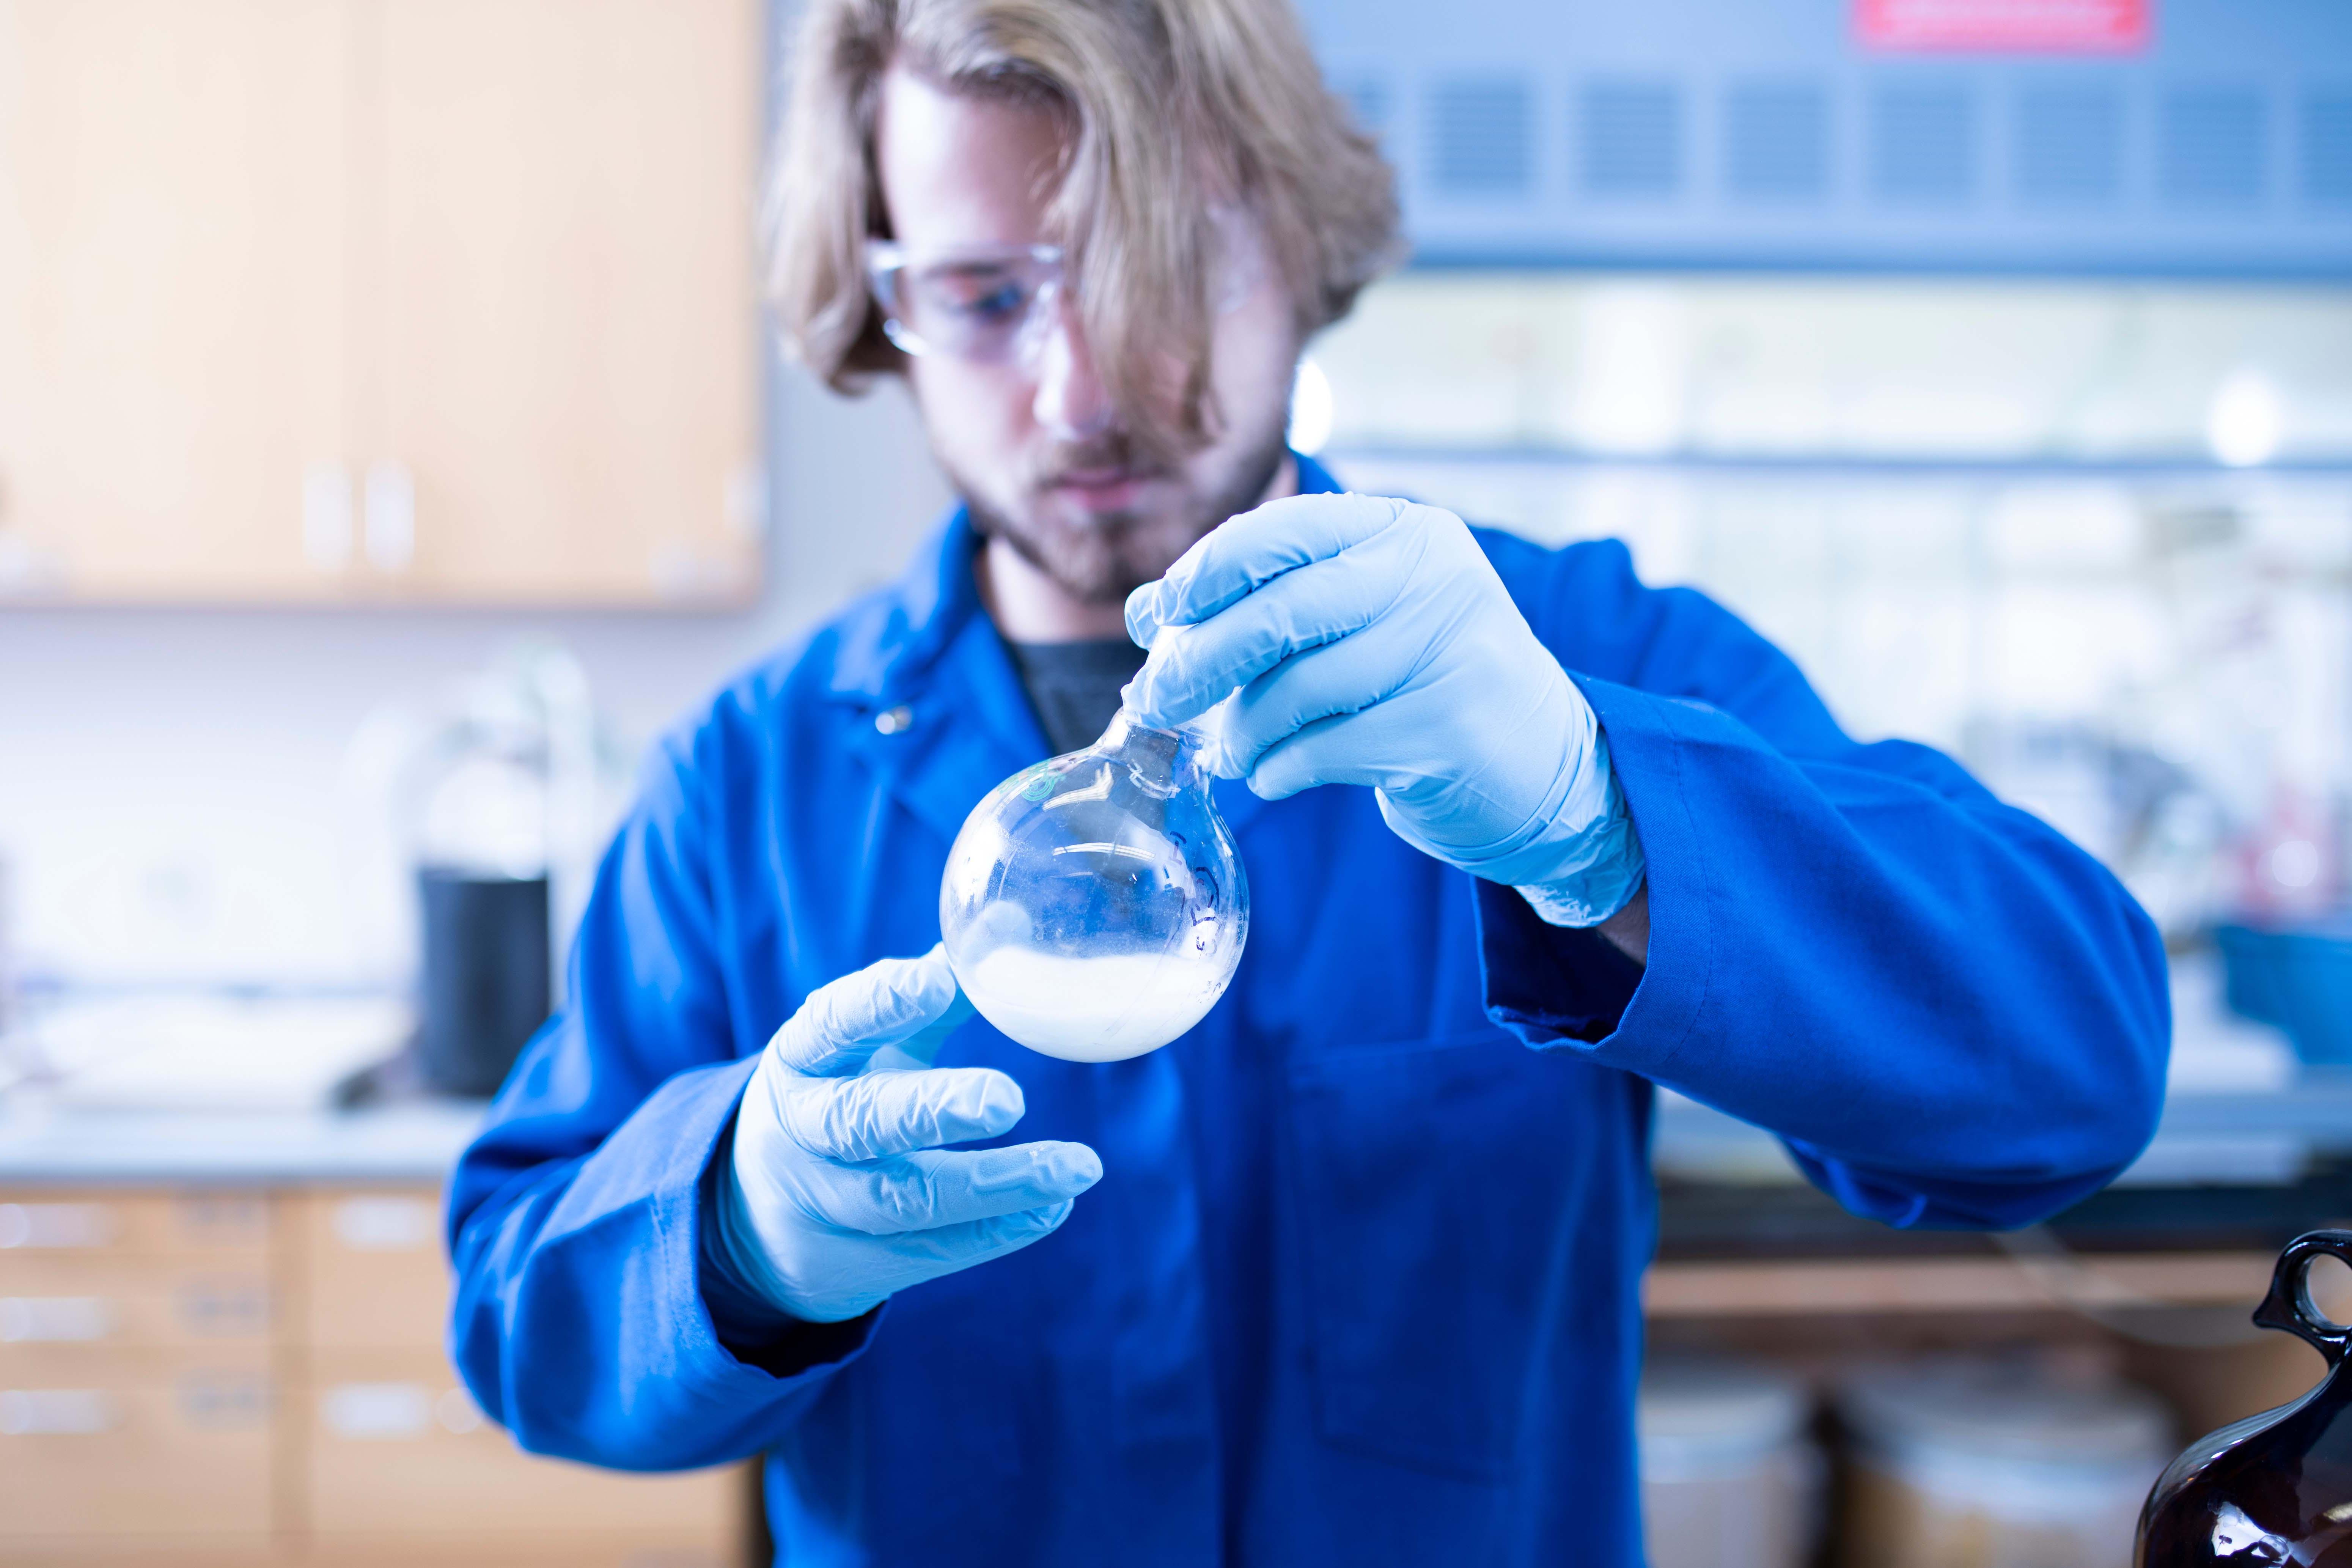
{"type": "Point", "coordinates": [566, 335]}
{"type": "Point", "coordinates": [363, 300]}
{"type": "Point", "coordinates": [137, 1371]}
{"type": "Point", "coordinates": [172, 307]}
{"type": "Point", "coordinates": [258, 1378]}
{"type": "Point", "coordinates": [398, 1456]}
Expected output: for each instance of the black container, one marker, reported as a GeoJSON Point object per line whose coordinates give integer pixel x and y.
{"type": "Point", "coordinates": [487, 981]}
{"type": "Point", "coordinates": [2275, 1488]}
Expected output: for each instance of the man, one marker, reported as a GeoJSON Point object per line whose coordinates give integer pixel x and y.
{"type": "Point", "coordinates": [1358, 1282]}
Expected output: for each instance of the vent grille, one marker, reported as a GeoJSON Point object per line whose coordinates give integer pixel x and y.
{"type": "Point", "coordinates": [1632, 136]}
{"type": "Point", "coordinates": [2326, 148]}
{"type": "Point", "coordinates": [1482, 138]}
{"type": "Point", "coordinates": [2210, 146]}
{"type": "Point", "coordinates": [2069, 146]}
{"type": "Point", "coordinates": [1777, 141]}
{"type": "Point", "coordinates": [1923, 145]}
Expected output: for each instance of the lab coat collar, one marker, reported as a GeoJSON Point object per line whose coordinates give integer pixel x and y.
{"type": "Point", "coordinates": [927, 647]}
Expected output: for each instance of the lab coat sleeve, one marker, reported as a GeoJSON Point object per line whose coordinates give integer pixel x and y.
{"type": "Point", "coordinates": [580, 1321]}
{"type": "Point", "coordinates": [1950, 1015]}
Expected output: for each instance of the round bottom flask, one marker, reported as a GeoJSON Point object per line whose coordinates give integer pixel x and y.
{"type": "Point", "coordinates": [1094, 906]}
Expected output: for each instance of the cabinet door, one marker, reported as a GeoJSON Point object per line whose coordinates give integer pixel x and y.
{"type": "Point", "coordinates": [172, 296]}
{"type": "Point", "coordinates": [102, 1461]}
{"type": "Point", "coordinates": [564, 363]}
{"type": "Point", "coordinates": [376, 1276]}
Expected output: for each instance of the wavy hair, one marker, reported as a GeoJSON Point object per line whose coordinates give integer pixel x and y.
{"type": "Point", "coordinates": [1174, 112]}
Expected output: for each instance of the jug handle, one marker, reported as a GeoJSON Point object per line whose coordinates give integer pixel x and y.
{"type": "Point", "coordinates": [2289, 1305]}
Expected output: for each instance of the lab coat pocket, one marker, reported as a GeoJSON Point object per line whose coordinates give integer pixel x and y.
{"type": "Point", "coordinates": [1439, 1187]}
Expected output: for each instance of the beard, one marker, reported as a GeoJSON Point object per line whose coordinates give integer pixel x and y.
{"type": "Point", "coordinates": [1099, 558]}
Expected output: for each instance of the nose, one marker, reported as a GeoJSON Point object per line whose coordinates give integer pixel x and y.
{"type": "Point", "coordinates": [1072, 403]}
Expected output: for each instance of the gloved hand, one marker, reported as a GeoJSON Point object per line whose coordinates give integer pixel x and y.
{"type": "Point", "coordinates": [839, 1197]}
{"type": "Point", "coordinates": [1369, 641]}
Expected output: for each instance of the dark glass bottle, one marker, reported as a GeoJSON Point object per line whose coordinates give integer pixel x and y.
{"type": "Point", "coordinates": [2275, 1488]}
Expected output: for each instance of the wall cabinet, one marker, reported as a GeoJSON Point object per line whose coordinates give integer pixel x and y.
{"type": "Point", "coordinates": [440, 300]}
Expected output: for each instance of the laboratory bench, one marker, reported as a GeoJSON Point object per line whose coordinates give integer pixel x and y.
{"type": "Point", "coordinates": [220, 1332]}
{"type": "Point", "coordinates": [2155, 1277]}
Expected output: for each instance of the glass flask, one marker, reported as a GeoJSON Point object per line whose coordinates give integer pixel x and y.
{"type": "Point", "coordinates": [1094, 906]}
{"type": "Point", "coordinates": [2275, 1488]}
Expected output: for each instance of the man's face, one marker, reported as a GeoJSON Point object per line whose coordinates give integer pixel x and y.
{"type": "Point", "coordinates": [1033, 444]}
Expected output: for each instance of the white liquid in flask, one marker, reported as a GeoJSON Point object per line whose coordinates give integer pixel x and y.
{"type": "Point", "coordinates": [1094, 906]}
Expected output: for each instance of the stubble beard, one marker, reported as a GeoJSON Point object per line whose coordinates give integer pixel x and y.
{"type": "Point", "coordinates": [1105, 557]}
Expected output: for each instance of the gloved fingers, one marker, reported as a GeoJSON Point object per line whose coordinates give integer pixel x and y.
{"type": "Point", "coordinates": [1247, 551]}
{"type": "Point", "coordinates": [921, 1048]}
{"type": "Point", "coordinates": [1370, 747]}
{"type": "Point", "coordinates": [1192, 666]}
{"type": "Point", "coordinates": [842, 1024]}
{"type": "Point", "coordinates": [923, 1191]}
{"type": "Point", "coordinates": [884, 1113]}
{"type": "Point", "coordinates": [1334, 680]}
{"type": "Point", "coordinates": [948, 1248]}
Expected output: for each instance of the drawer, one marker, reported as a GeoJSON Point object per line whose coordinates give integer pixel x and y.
{"type": "Point", "coordinates": [394, 1443]}
{"type": "Point", "coordinates": [490, 1549]}
{"type": "Point", "coordinates": [141, 1303]}
{"type": "Point", "coordinates": [96, 1463]}
{"type": "Point", "coordinates": [120, 1367]}
{"type": "Point", "coordinates": [376, 1276]}
{"type": "Point", "coordinates": [50, 1222]}
{"type": "Point", "coordinates": [160, 1552]}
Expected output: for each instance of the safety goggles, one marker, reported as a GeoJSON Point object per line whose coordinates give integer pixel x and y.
{"type": "Point", "coordinates": [990, 305]}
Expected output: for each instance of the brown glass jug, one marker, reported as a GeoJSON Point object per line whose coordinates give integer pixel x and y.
{"type": "Point", "coordinates": [2275, 1488]}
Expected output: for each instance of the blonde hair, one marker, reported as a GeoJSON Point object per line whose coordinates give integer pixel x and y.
{"type": "Point", "coordinates": [1175, 109]}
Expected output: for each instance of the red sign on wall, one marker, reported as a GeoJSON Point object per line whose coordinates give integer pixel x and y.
{"type": "Point", "coordinates": [2004, 27]}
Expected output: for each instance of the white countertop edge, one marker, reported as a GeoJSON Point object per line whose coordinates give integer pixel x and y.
{"type": "Point", "coordinates": [44, 1145]}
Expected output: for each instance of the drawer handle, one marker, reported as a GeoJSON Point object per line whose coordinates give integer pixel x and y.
{"type": "Point", "coordinates": [224, 1309]}
{"type": "Point", "coordinates": [384, 1224]}
{"type": "Point", "coordinates": [36, 1320]}
{"type": "Point", "coordinates": [223, 1220]}
{"type": "Point", "coordinates": [229, 1401]}
{"type": "Point", "coordinates": [31, 1225]}
{"type": "Point", "coordinates": [54, 1412]}
{"type": "Point", "coordinates": [376, 1410]}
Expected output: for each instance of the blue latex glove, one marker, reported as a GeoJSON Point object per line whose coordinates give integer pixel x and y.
{"type": "Point", "coordinates": [839, 1196]}
{"type": "Point", "coordinates": [1369, 641]}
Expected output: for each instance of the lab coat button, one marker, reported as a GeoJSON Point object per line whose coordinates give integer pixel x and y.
{"type": "Point", "coordinates": [890, 720]}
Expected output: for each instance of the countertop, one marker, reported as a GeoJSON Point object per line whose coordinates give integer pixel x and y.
{"type": "Point", "coordinates": [2207, 1138]}
{"type": "Point", "coordinates": [45, 1144]}
{"type": "Point", "coordinates": [2240, 1112]}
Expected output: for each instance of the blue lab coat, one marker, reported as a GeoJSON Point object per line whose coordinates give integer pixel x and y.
{"type": "Point", "coordinates": [1360, 1284]}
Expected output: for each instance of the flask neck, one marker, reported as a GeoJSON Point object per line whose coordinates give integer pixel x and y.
{"type": "Point", "coordinates": [1161, 761]}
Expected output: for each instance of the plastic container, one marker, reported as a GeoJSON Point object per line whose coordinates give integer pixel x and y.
{"type": "Point", "coordinates": [1730, 1479]}
{"type": "Point", "coordinates": [1975, 1463]}
{"type": "Point", "coordinates": [2298, 980]}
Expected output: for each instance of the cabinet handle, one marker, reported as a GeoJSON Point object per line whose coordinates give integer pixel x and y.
{"type": "Point", "coordinates": [225, 1401]}
{"type": "Point", "coordinates": [36, 1320]}
{"type": "Point", "coordinates": [224, 1309]}
{"type": "Point", "coordinates": [390, 517]}
{"type": "Point", "coordinates": [373, 1412]}
{"type": "Point", "coordinates": [54, 1412]}
{"type": "Point", "coordinates": [386, 1224]}
{"type": "Point", "coordinates": [45, 1225]}
{"type": "Point", "coordinates": [327, 524]}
